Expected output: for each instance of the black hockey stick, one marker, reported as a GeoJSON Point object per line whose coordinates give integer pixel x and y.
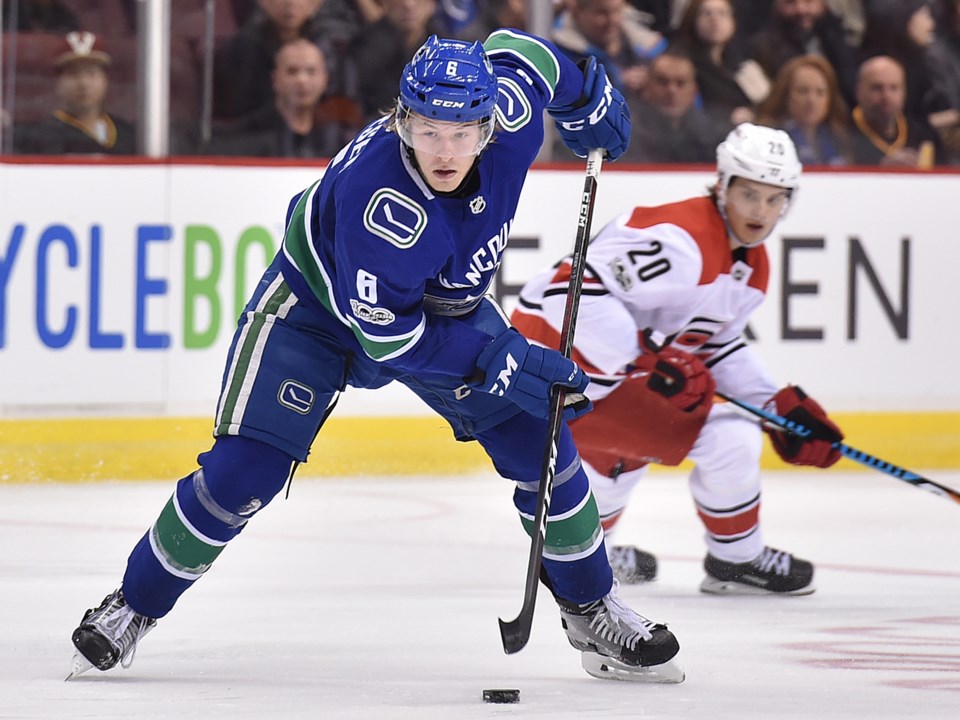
{"type": "Point", "coordinates": [515, 633]}
{"type": "Point", "coordinates": [850, 452]}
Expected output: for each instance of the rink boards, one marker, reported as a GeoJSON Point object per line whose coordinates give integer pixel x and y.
{"type": "Point", "coordinates": [115, 316]}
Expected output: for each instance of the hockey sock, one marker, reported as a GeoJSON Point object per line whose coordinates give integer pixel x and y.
{"type": "Point", "coordinates": [574, 556]}
{"type": "Point", "coordinates": [209, 508]}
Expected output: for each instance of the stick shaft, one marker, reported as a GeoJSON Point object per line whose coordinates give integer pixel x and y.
{"type": "Point", "coordinates": [515, 633]}
{"type": "Point", "coordinates": [852, 453]}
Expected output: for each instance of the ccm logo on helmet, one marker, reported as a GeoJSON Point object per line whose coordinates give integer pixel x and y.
{"type": "Point", "coordinates": [447, 103]}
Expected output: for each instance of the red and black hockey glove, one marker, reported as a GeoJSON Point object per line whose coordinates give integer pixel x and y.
{"type": "Point", "coordinates": [814, 449]}
{"type": "Point", "coordinates": [679, 376]}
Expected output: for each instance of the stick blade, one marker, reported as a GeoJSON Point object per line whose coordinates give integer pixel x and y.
{"type": "Point", "coordinates": [514, 633]}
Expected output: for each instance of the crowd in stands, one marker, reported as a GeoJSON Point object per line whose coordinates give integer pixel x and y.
{"type": "Point", "coordinates": [865, 82]}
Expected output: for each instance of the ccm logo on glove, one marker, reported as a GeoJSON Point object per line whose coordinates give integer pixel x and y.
{"type": "Point", "coordinates": [503, 378]}
{"type": "Point", "coordinates": [525, 375]}
{"type": "Point", "coordinates": [597, 114]}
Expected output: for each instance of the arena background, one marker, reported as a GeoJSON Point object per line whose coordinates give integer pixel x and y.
{"type": "Point", "coordinates": [121, 281]}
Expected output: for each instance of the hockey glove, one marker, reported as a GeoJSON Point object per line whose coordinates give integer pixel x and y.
{"type": "Point", "coordinates": [679, 376]}
{"type": "Point", "coordinates": [524, 374]}
{"type": "Point", "coordinates": [816, 448]}
{"type": "Point", "coordinates": [599, 119]}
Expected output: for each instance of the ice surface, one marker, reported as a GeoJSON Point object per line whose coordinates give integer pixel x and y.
{"type": "Point", "coordinates": [377, 598]}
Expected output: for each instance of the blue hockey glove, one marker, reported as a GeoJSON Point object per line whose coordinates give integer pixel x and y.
{"type": "Point", "coordinates": [600, 119]}
{"type": "Point", "coordinates": [524, 373]}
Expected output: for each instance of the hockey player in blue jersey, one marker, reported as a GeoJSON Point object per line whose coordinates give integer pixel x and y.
{"type": "Point", "coordinates": [382, 277]}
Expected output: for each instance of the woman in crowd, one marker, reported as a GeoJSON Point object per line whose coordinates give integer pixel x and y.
{"type": "Point", "coordinates": [806, 102]}
{"type": "Point", "coordinates": [729, 83]}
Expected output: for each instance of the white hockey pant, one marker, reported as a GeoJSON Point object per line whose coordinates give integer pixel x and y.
{"type": "Point", "coordinates": [725, 484]}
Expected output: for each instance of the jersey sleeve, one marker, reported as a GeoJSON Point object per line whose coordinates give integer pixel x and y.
{"type": "Point", "coordinates": [538, 69]}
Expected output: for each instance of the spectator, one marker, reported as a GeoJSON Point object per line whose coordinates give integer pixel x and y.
{"type": "Point", "coordinates": [667, 125]}
{"type": "Point", "coordinates": [39, 16]}
{"type": "Point", "coordinates": [944, 66]}
{"type": "Point", "coordinates": [614, 33]}
{"type": "Point", "coordinates": [883, 134]}
{"type": "Point", "coordinates": [806, 27]}
{"type": "Point", "coordinates": [383, 48]}
{"type": "Point", "coordinates": [81, 125]}
{"type": "Point", "coordinates": [243, 66]}
{"type": "Point", "coordinates": [904, 30]}
{"type": "Point", "coordinates": [729, 83]}
{"type": "Point", "coordinates": [666, 15]}
{"type": "Point", "coordinates": [806, 102]}
{"type": "Point", "coordinates": [296, 124]}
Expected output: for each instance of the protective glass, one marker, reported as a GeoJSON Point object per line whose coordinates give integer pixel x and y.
{"type": "Point", "coordinates": [443, 139]}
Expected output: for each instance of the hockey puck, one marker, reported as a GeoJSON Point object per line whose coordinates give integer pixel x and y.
{"type": "Point", "coordinates": [501, 696]}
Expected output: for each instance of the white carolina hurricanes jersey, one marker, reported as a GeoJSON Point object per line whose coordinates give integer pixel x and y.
{"type": "Point", "coordinates": [670, 269]}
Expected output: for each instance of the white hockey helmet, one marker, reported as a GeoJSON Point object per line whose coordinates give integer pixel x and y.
{"type": "Point", "coordinates": [755, 152]}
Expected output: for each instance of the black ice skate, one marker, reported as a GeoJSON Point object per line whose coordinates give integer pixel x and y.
{"type": "Point", "coordinates": [618, 644]}
{"type": "Point", "coordinates": [108, 634]}
{"type": "Point", "coordinates": [631, 565]}
{"type": "Point", "coordinates": [773, 572]}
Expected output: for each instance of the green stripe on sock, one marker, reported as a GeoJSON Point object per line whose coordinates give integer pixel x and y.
{"type": "Point", "coordinates": [181, 548]}
{"type": "Point", "coordinates": [573, 534]}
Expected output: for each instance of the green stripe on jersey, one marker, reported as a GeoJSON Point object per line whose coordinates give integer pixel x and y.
{"type": "Point", "coordinates": [297, 243]}
{"type": "Point", "coordinates": [572, 535]}
{"type": "Point", "coordinates": [535, 53]}
{"type": "Point", "coordinates": [179, 546]}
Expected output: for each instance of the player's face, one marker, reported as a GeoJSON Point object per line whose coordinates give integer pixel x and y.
{"type": "Point", "coordinates": [445, 151]}
{"type": "Point", "coordinates": [754, 209]}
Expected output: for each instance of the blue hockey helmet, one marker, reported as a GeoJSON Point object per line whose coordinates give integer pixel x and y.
{"type": "Point", "coordinates": [450, 81]}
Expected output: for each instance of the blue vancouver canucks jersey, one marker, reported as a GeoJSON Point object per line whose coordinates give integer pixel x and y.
{"type": "Point", "coordinates": [400, 266]}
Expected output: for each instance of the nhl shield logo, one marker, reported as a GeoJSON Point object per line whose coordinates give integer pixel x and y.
{"type": "Point", "coordinates": [478, 205]}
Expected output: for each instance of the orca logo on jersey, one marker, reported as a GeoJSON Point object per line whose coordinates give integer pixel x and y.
{"type": "Point", "coordinates": [513, 108]}
{"type": "Point", "coordinates": [296, 396]}
{"type": "Point", "coordinates": [394, 217]}
{"type": "Point", "coordinates": [504, 377]}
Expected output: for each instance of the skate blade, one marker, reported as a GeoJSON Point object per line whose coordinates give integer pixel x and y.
{"type": "Point", "coordinates": [607, 668]}
{"type": "Point", "coordinates": [713, 586]}
{"type": "Point", "coordinates": [78, 666]}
